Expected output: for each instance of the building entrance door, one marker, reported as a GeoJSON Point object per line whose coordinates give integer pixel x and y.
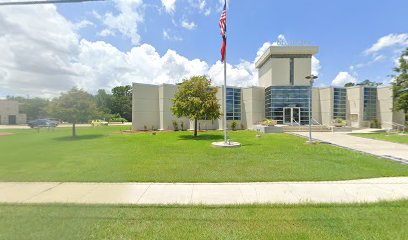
{"type": "Point", "coordinates": [291, 115]}
{"type": "Point", "coordinates": [12, 120]}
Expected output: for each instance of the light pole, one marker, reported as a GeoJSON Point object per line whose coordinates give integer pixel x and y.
{"type": "Point", "coordinates": [311, 78]}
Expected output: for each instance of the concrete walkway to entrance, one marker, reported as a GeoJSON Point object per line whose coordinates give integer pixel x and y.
{"type": "Point", "coordinates": [379, 148]}
{"type": "Point", "coordinates": [365, 190]}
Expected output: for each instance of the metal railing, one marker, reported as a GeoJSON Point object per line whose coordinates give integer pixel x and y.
{"type": "Point", "coordinates": [396, 125]}
{"type": "Point", "coordinates": [298, 124]}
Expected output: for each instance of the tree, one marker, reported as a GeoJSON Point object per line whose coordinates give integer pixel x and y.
{"type": "Point", "coordinates": [122, 101]}
{"type": "Point", "coordinates": [400, 84]}
{"type": "Point", "coordinates": [75, 106]}
{"type": "Point", "coordinates": [34, 108]}
{"type": "Point", "coordinates": [103, 101]}
{"type": "Point", "coordinates": [368, 83]}
{"type": "Point", "coordinates": [196, 99]}
{"type": "Point", "coordinates": [349, 84]}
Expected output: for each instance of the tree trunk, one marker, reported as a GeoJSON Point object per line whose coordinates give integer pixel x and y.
{"type": "Point", "coordinates": [73, 130]}
{"type": "Point", "coordinates": [195, 127]}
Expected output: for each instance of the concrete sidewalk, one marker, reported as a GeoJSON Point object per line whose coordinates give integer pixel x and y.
{"type": "Point", "coordinates": [396, 151]}
{"type": "Point", "coordinates": [366, 190]}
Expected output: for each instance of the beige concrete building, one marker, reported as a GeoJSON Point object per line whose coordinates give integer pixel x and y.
{"type": "Point", "coordinates": [9, 113]}
{"type": "Point", "coordinates": [283, 95]}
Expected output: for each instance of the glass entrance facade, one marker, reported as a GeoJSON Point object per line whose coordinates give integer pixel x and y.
{"type": "Point", "coordinates": [278, 99]}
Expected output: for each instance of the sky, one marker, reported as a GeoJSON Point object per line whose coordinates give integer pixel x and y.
{"type": "Point", "coordinates": [48, 49]}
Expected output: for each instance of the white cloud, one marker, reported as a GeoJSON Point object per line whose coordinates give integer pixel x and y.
{"type": "Point", "coordinates": [42, 56]}
{"type": "Point", "coordinates": [391, 40]}
{"type": "Point", "coordinates": [169, 5]}
{"type": "Point", "coordinates": [315, 66]}
{"type": "Point", "coordinates": [241, 75]}
{"type": "Point", "coordinates": [83, 24]}
{"type": "Point", "coordinates": [127, 20]}
{"type": "Point", "coordinates": [106, 32]}
{"type": "Point", "coordinates": [168, 36]}
{"type": "Point", "coordinates": [201, 6]}
{"type": "Point", "coordinates": [343, 78]}
{"type": "Point", "coordinates": [188, 25]}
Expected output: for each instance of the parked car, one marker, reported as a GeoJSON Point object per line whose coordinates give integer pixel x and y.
{"type": "Point", "coordinates": [98, 122]}
{"type": "Point", "coordinates": [42, 123]}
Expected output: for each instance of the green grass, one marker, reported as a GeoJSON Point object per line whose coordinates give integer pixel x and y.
{"type": "Point", "coordinates": [397, 138]}
{"type": "Point", "coordinates": [357, 221]}
{"type": "Point", "coordinates": [97, 155]}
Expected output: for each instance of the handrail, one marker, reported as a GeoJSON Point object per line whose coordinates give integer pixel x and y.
{"type": "Point", "coordinates": [397, 125]}
{"type": "Point", "coordinates": [316, 121]}
{"type": "Point", "coordinates": [298, 124]}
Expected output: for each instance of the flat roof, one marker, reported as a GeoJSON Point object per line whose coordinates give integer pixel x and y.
{"type": "Point", "coordinates": [284, 50]}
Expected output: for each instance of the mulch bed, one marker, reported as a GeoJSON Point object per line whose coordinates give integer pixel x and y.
{"type": "Point", "coordinates": [150, 131]}
{"type": "Point", "coordinates": [5, 134]}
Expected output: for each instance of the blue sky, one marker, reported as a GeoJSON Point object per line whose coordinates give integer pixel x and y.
{"type": "Point", "coordinates": [358, 39]}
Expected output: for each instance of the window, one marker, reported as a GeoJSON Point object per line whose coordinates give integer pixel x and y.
{"type": "Point", "coordinates": [233, 104]}
{"type": "Point", "coordinates": [370, 104]}
{"type": "Point", "coordinates": [292, 71]}
{"type": "Point", "coordinates": [277, 98]}
{"type": "Point", "coordinates": [339, 103]}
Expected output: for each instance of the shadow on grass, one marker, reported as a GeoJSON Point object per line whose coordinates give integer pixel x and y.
{"type": "Point", "coordinates": [78, 138]}
{"type": "Point", "coordinates": [206, 137]}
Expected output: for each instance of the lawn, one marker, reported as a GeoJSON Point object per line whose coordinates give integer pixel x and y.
{"type": "Point", "coordinates": [397, 138]}
{"type": "Point", "coordinates": [99, 155]}
{"type": "Point", "coordinates": [356, 221]}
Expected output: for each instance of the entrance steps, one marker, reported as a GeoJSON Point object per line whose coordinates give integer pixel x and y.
{"type": "Point", "coordinates": [305, 128]}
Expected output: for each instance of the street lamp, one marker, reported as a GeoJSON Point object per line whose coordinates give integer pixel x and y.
{"type": "Point", "coordinates": [311, 78]}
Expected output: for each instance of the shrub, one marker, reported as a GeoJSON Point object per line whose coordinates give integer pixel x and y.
{"type": "Point", "coordinates": [175, 125]}
{"type": "Point", "coordinates": [234, 126]}
{"type": "Point", "coordinates": [145, 127]}
{"type": "Point", "coordinates": [268, 122]}
{"type": "Point", "coordinates": [118, 119]}
{"type": "Point", "coordinates": [375, 123]}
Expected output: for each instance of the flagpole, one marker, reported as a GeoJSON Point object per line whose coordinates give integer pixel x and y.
{"type": "Point", "coordinates": [225, 93]}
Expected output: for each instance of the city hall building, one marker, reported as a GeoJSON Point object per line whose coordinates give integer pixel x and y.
{"type": "Point", "coordinates": [282, 94]}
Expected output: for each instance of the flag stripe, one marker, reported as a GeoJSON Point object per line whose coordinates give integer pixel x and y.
{"type": "Point", "coordinates": [223, 30]}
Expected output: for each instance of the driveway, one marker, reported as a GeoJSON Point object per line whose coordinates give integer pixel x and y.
{"type": "Point", "coordinates": [395, 151]}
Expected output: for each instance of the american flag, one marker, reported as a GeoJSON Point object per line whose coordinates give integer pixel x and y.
{"type": "Point", "coordinates": [223, 30]}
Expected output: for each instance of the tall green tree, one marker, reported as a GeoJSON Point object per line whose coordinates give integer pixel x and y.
{"type": "Point", "coordinates": [400, 84]}
{"type": "Point", "coordinates": [103, 102]}
{"type": "Point", "coordinates": [196, 99]}
{"type": "Point", "coordinates": [122, 101]}
{"type": "Point", "coordinates": [74, 106]}
{"type": "Point", "coordinates": [34, 108]}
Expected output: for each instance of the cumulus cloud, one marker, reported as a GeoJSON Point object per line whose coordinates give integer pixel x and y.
{"type": "Point", "coordinates": [388, 41]}
{"type": "Point", "coordinates": [343, 78]}
{"type": "Point", "coordinates": [42, 55]}
{"type": "Point", "coordinates": [315, 66]}
{"type": "Point", "coordinates": [126, 21]}
{"type": "Point", "coordinates": [167, 35]}
{"type": "Point", "coordinates": [169, 5]}
{"type": "Point", "coordinates": [188, 25]}
{"type": "Point", "coordinates": [201, 6]}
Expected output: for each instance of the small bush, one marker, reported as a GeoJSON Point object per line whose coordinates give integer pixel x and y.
{"type": "Point", "coordinates": [145, 127]}
{"type": "Point", "coordinates": [375, 123]}
{"type": "Point", "coordinates": [234, 126]}
{"type": "Point", "coordinates": [175, 125]}
{"type": "Point", "coordinates": [268, 122]}
{"type": "Point", "coordinates": [118, 119]}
